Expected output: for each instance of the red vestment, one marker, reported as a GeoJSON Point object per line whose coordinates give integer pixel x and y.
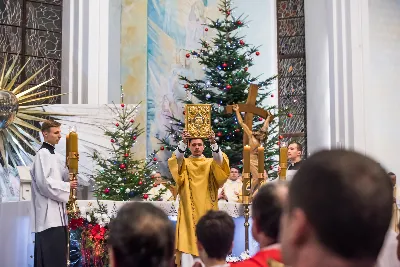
{"type": "Point", "coordinates": [261, 258]}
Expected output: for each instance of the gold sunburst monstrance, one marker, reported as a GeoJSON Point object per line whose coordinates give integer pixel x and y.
{"type": "Point", "coordinates": [18, 113]}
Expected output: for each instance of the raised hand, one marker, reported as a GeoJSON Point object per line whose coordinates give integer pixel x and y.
{"type": "Point", "coordinates": [185, 136]}
{"type": "Point", "coordinates": [211, 137]}
{"type": "Point", "coordinates": [235, 107]}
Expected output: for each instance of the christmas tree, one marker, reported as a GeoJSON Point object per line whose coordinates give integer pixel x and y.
{"type": "Point", "coordinates": [226, 60]}
{"type": "Point", "coordinates": [120, 176]}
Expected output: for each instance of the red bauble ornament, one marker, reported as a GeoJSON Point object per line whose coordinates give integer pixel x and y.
{"type": "Point", "coordinates": [257, 53]}
{"type": "Point", "coordinates": [122, 105]}
{"type": "Point", "coordinates": [278, 143]}
{"type": "Point", "coordinates": [140, 182]}
{"type": "Point", "coordinates": [281, 137]}
{"type": "Point", "coordinates": [237, 130]}
{"type": "Point", "coordinates": [155, 159]}
{"type": "Point", "coordinates": [186, 86]}
{"type": "Point", "coordinates": [290, 115]}
{"type": "Point", "coordinates": [122, 166]}
{"type": "Point", "coordinates": [228, 13]}
{"type": "Point", "coordinates": [241, 42]}
{"type": "Point", "coordinates": [271, 167]}
{"type": "Point", "coordinates": [183, 112]}
{"type": "Point", "coordinates": [126, 155]}
{"type": "Point", "coordinates": [107, 190]}
{"type": "Point", "coordinates": [239, 22]}
{"type": "Point", "coordinates": [219, 134]}
{"type": "Point", "coordinates": [228, 87]}
{"type": "Point", "coordinates": [112, 141]}
{"type": "Point", "coordinates": [155, 185]}
{"type": "Point", "coordinates": [134, 137]}
{"type": "Point", "coordinates": [224, 65]}
{"type": "Point", "coordinates": [132, 121]}
{"type": "Point", "coordinates": [188, 55]}
{"type": "Point", "coordinates": [162, 148]}
{"type": "Point", "coordinates": [272, 95]}
{"type": "Point", "coordinates": [117, 124]}
{"type": "Point", "coordinates": [145, 196]}
{"type": "Point", "coordinates": [246, 68]}
{"type": "Point", "coordinates": [206, 29]}
{"type": "Point", "coordinates": [260, 119]}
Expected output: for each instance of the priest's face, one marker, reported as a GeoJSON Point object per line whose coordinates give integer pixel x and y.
{"type": "Point", "coordinates": [234, 174]}
{"type": "Point", "coordinates": [52, 136]}
{"type": "Point", "coordinates": [157, 178]}
{"type": "Point", "coordinates": [196, 147]}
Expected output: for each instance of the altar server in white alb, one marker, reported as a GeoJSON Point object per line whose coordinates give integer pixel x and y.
{"type": "Point", "coordinates": [50, 193]}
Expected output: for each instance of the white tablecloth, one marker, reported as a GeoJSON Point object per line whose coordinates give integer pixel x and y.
{"type": "Point", "coordinates": [235, 210]}
{"type": "Point", "coordinates": [16, 239]}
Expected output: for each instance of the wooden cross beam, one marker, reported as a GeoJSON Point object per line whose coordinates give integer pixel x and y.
{"type": "Point", "coordinates": [250, 109]}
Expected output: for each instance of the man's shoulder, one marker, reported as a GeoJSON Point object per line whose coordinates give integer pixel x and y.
{"type": "Point", "coordinates": [261, 258]}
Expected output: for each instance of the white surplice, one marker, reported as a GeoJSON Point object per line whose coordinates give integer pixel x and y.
{"type": "Point", "coordinates": [155, 192]}
{"type": "Point", "coordinates": [231, 188]}
{"type": "Point", "coordinates": [50, 190]}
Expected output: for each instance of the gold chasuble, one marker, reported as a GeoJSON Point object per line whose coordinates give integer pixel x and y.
{"type": "Point", "coordinates": [197, 180]}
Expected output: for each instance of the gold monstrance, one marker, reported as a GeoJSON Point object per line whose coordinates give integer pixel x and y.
{"type": "Point", "coordinates": [198, 120]}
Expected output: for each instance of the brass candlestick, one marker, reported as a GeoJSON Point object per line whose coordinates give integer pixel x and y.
{"type": "Point", "coordinates": [246, 200]}
{"type": "Point", "coordinates": [72, 206]}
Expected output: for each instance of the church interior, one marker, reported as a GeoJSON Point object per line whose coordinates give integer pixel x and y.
{"type": "Point", "coordinates": [192, 106]}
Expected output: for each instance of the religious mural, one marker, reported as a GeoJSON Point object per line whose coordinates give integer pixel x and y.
{"type": "Point", "coordinates": [174, 26]}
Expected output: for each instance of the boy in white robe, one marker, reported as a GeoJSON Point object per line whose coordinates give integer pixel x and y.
{"type": "Point", "coordinates": [50, 193]}
{"type": "Point", "coordinates": [232, 188]}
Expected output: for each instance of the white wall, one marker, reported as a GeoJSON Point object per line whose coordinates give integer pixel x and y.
{"type": "Point", "coordinates": [383, 94]}
{"type": "Point", "coordinates": [337, 63]}
{"type": "Point", "coordinates": [91, 51]}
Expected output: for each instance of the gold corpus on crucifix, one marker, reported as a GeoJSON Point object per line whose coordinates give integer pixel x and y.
{"type": "Point", "coordinates": [254, 139]}
{"type": "Point", "coordinates": [198, 120]}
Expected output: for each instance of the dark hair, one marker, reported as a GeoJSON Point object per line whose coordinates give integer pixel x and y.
{"type": "Point", "coordinates": [267, 209]}
{"type": "Point", "coordinates": [46, 125]}
{"type": "Point", "coordinates": [299, 146]}
{"type": "Point", "coordinates": [235, 167]}
{"type": "Point", "coordinates": [215, 231]}
{"type": "Point", "coordinates": [347, 198]}
{"type": "Point", "coordinates": [391, 173]}
{"type": "Point", "coordinates": [141, 235]}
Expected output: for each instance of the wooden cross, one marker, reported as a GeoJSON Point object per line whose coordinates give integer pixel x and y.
{"type": "Point", "coordinates": [250, 109]}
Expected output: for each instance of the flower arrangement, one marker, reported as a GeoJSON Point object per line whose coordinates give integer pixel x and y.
{"type": "Point", "coordinates": [90, 230]}
{"type": "Point", "coordinates": [243, 256]}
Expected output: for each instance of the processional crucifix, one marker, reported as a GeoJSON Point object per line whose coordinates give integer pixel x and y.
{"type": "Point", "coordinates": [255, 140]}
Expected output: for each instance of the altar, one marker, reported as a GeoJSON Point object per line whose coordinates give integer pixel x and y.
{"type": "Point", "coordinates": [18, 241]}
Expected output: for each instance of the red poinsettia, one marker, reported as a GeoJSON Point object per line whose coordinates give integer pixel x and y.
{"type": "Point", "coordinates": [75, 223]}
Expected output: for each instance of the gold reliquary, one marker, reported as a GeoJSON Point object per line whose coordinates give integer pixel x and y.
{"type": "Point", "coordinates": [198, 120]}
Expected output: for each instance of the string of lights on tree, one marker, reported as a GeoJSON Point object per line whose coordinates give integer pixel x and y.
{"type": "Point", "coordinates": [226, 59]}
{"type": "Point", "coordinates": [119, 176]}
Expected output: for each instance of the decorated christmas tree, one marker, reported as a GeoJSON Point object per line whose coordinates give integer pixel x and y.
{"type": "Point", "coordinates": [227, 59]}
{"type": "Point", "coordinates": [119, 176]}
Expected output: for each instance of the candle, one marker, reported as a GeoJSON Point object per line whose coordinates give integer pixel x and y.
{"type": "Point", "coordinates": [261, 159]}
{"type": "Point", "coordinates": [283, 151]}
{"type": "Point", "coordinates": [246, 159]}
{"type": "Point", "coordinates": [73, 149]}
{"type": "Point", "coordinates": [67, 149]}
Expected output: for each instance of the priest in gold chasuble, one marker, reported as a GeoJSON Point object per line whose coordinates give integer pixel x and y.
{"type": "Point", "coordinates": [198, 179]}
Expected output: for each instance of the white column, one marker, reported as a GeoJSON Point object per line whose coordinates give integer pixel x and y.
{"type": "Point", "coordinates": [317, 71]}
{"type": "Point", "coordinates": [337, 59]}
{"type": "Point", "coordinates": [91, 51]}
